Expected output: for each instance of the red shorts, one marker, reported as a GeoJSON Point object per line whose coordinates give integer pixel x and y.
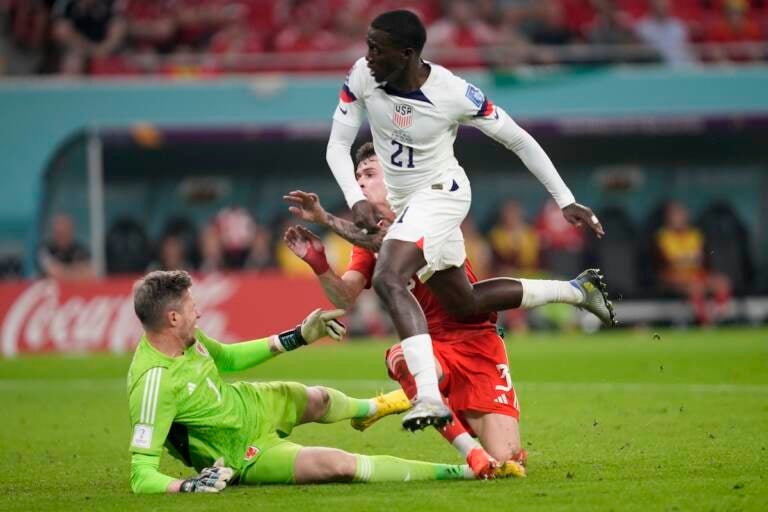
{"type": "Point", "coordinates": [475, 375]}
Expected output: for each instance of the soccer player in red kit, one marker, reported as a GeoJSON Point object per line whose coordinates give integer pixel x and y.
{"type": "Point", "coordinates": [471, 358]}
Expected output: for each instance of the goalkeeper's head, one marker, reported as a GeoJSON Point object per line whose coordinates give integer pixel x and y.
{"type": "Point", "coordinates": [164, 304]}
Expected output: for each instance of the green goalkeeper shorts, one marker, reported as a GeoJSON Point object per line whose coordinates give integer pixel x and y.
{"type": "Point", "coordinates": [279, 407]}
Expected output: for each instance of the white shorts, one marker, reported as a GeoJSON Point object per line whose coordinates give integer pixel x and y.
{"type": "Point", "coordinates": [432, 218]}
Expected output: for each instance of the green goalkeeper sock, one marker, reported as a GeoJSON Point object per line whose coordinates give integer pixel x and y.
{"type": "Point", "coordinates": [343, 407]}
{"type": "Point", "coordinates": [383, 468]}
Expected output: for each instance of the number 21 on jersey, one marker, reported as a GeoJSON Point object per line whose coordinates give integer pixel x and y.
{"type": "Point", "coordinates": [398, 158]}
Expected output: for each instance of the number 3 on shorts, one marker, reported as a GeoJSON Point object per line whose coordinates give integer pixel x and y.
{"type": "Point", "coordinates": [504, 370]}
{"type": "Point", "coordinates": [395, 158]}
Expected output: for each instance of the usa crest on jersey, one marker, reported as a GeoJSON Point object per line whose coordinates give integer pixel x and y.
{"type": "Point", "coordinates": [403, 115]}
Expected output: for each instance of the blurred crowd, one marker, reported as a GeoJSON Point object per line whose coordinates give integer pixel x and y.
{"type": "Point", "coordinates": [200, 37]}
{"type": "Point", "coordinates": [705, 262]}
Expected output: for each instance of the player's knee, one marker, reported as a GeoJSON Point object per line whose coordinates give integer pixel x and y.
{"type": "Point", "coordinates": [342, 467]}
{"type": "Point", "coordinates": [318, 401]}
{"type": "Point", "coordinates": [386, 282]}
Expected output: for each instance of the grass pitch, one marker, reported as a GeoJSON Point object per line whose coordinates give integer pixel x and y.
{"type": "Point", "coordinates": [623, 420]}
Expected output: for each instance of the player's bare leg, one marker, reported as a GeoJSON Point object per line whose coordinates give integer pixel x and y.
{"type": "Point", "coordinates": [397, 262]}
{"type": "Point", "coordinates": [321, 465]}
{"type": "Point", "coordinates": [498, 433]}
{"type": "Point", "coordinates": [464, 299]}
{"type": "Point", "coordinates": [479, 461]}
{"type": "Point", "coordinates": [500, 436]}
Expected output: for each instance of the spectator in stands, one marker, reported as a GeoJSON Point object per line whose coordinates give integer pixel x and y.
{"type": "Point", "coordinates": [735, 26]}
{"type": "Point", "coordinates": [666, 34]}
{"type": "Point", "coordinates": [152, 26]}
{"type": "Point", "coordinates": [87, 29]}
{"type": "Point", "coordinates": [23, 49]}
{"type": "Point", "coordinates": [611, 26]}
{"type": "Point", "coordinates": [211, 252]}
{"type": "Point", "coordinates": [478, 250]}
{"type": "Point", "coordinates": [261, 255]}
{"type": "Point", "coordinates": [236, 229]}
{"type": "Point", "coordinates": [63, 257]}
{"type": "Point", "coordinates": [514, 243]}
{"type": "Point", "coordinates": [306, 32]}
{"type": "Point", "coordinates": [680, 248]}
{"type": "Point", "coordinates": [548, 25]}
{"type": "Point", "coordinates": [172, 255]}
{"type": "Point", "coordinates": [455, 38]}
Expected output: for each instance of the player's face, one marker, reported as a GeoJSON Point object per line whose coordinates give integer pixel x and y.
{"type": "Point", "coordinates": [187, 318]}
{"type": "Point", "coordinates": [385, 60]}
{"type": "Point", "coordinates": [371, 181]}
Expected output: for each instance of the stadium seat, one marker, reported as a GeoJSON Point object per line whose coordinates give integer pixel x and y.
{"type": "Point", "coordinates": [617, 253]}
{"type": "Point", "coordinates": [727, 245]}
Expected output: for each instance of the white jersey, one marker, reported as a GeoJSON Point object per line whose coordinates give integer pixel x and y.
{"type": "Point", "coordinates": [413, 133]}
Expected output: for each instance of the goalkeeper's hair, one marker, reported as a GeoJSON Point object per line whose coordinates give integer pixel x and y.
{"type": "Point", "coordinates": [363, 153]}
{"type": "Point", "coordinates": [156, 292]}
{"type": "Point", "coordinates": [405, 29]}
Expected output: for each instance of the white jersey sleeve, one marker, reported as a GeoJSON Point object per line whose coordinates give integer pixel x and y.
{"type": "Point", "coordinates": [347, 119]}
{"type": "Point", "coordinates": [473, 108]}
{"type": "Point", "coordinates": [351, 108]}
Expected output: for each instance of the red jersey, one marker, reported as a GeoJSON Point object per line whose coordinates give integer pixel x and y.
{"type": "Point", "coordinates": [442, 326]}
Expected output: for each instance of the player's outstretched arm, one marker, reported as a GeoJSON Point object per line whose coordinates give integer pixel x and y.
{"type": "Point", "coordinates": [343, 290]}
{"type": "Point", "coordinates": [512, 136]}
{"type": "Point", "coordinates": [235, 357]}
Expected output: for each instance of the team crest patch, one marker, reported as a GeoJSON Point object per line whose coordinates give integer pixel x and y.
{"type": "Point", "coordinates": [403, 116]}
{"type": "Point", "coordinates": [251, 452]}
{"type": "Point", "coordinates": [201, 349]}
{"type": "Point", "coordinates": [475, 95]}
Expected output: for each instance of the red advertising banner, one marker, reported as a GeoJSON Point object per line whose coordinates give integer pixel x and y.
{"type": "Point", "coordinates": [66, 316]}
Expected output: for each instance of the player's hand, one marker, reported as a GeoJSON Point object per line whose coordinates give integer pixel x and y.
{"type": "Point", "coordinates": [580, 215]}
{"type": "Point", "coordinates": [307, 246]}
{"type": "Point", "coordinates": [213, 479]}
{"type": "Point", "coordinates": [306, 206]}
{"type": "Point", "coordinates": [320, 324]}
{"type": "Point", "coordinates": [365, 217]}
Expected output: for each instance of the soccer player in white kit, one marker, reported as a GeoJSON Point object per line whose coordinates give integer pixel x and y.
{"type": "Point", "coordinates": [414, 109]}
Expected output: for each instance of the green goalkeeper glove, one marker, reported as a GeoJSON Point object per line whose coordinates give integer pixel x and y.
{"type": "Point", "coordinates": [318, 324]}
{"type": "Point", "coordinates": [213, 479]}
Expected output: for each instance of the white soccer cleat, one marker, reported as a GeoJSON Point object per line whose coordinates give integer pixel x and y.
{"type": "Point", "coordinates": [426, 412]}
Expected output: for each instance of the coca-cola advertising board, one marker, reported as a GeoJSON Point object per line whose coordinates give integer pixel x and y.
{"type": "Point", "coordinates": [97, 315]}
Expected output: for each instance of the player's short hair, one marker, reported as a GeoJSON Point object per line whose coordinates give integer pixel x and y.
{"type": "Point", "coordinates": [156, 292]}
{"type": "Point", "coordinates": [363, 153]}
{"type": "Point", "coordinates": [405, 29]}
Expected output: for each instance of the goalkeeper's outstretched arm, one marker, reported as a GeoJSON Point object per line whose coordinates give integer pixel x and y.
{"type": "Point", "coordinates": [247, 354]}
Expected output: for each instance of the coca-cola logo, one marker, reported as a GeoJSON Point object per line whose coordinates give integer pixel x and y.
{"type": "Point", "coordinates": [43, 318]}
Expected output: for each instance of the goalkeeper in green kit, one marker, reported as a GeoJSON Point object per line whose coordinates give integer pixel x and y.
{"type": "Point", "coordinates": [236, 432]}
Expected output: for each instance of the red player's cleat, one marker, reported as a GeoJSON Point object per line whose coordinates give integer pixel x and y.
{"type": "Point", "coordinates": [482, 465]}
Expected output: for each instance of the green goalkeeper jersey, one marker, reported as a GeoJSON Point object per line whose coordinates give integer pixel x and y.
{"type": "Point", "coordinates": [182, 403]}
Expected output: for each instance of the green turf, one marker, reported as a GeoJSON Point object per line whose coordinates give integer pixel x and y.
{"type": "Point", "coordinates": [615, 421]}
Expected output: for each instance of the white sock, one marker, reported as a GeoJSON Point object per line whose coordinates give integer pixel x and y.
{"type": "Point", "coordinates": [468, 474]}
{"type": "Point", "coordinates": [465, 443]}
{"type": "Point", "coordinates": [372, 407]}
{"type": "Point", "coordinates": [420, 360]}
{"type": "Point", "coordinates": [537, 292]}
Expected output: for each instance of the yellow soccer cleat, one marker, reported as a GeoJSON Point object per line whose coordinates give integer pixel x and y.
{"type": "Point", "coordinates": [393, 402]}
{"type": "Point", "coordinates": [510, 469]}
